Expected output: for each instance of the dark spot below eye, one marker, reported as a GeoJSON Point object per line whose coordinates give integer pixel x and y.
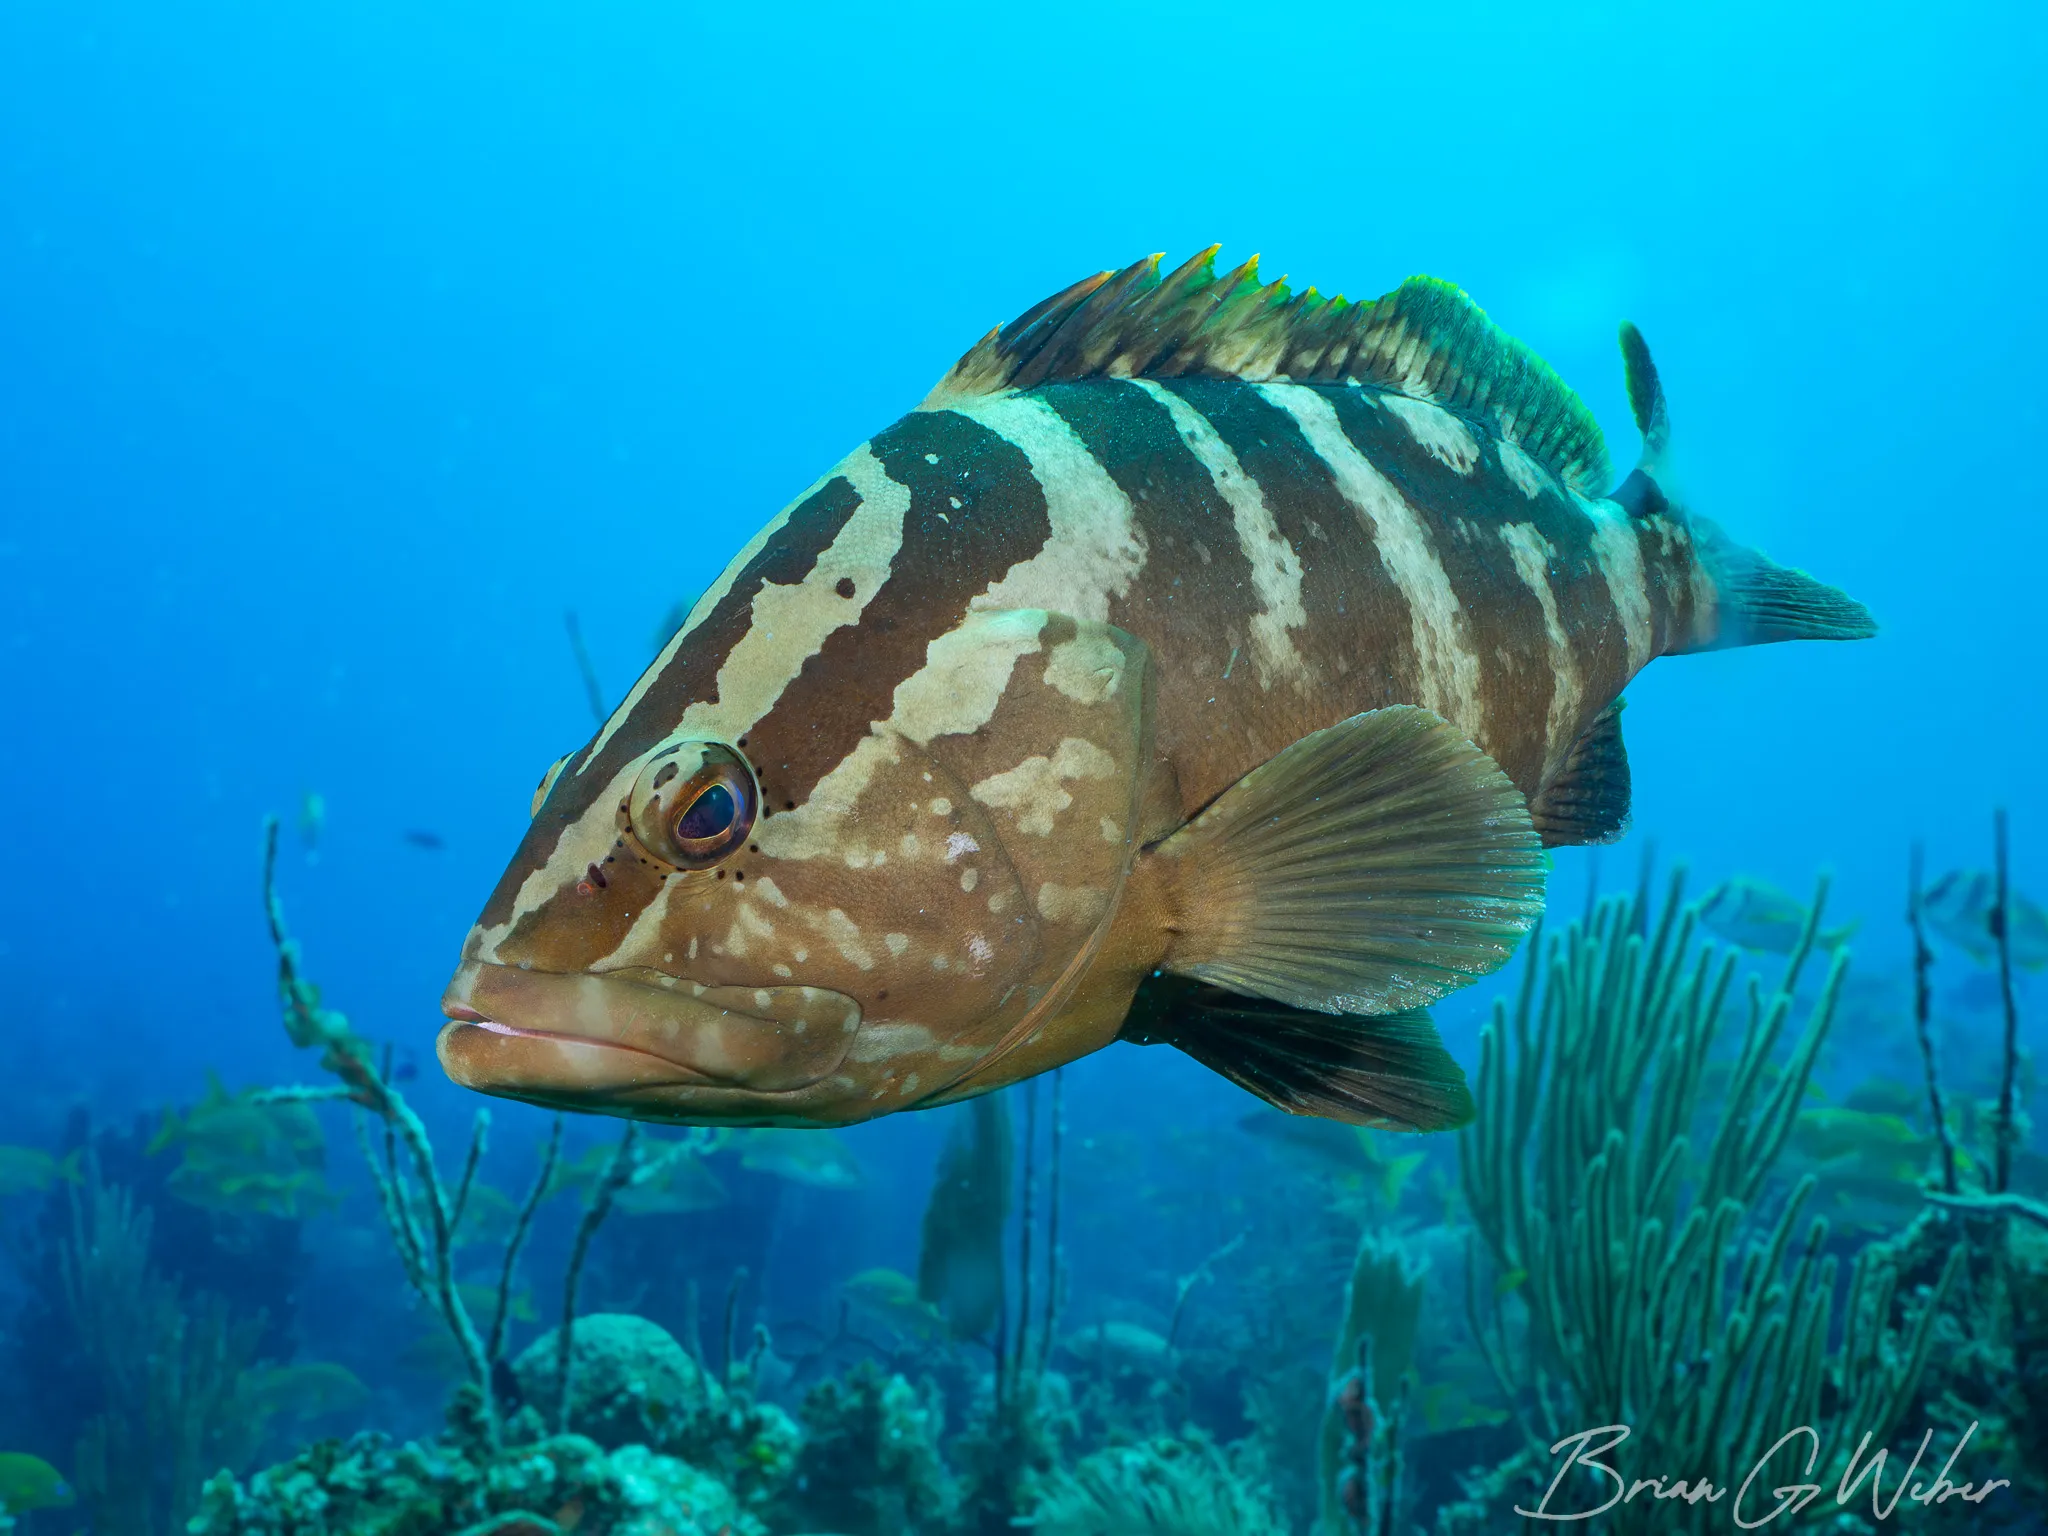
{"type": "Point", "coordinates": [596, 876]}
{"type": "Point", "coordinates": [882, 995]}
{"type": "Point", "coordinates": [721, 874]}
{"type": "Point", "coordinates": [844, 586]}
{"type": "Point", "coordinates": [739, 874]}
{"type": "Point", "coordinates": [753, 847]}
{"type": "Point", "coordinates": [789, 805]}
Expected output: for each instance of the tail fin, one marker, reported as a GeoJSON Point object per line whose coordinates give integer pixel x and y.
{"type": "Point", "coordinates": [1761, 602]}
{"type": "Point", "coordinates": [1758, 601]}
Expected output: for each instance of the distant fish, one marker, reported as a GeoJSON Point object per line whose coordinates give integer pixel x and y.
{"type": "Point", "coordinates": [817, 1158]}
{"type": "Point", "coordinates": [310, 1389]}
{"type": "Point", "coordinates": [1344, 1150]}
{"type": "Point", "coordinates": [1191, 630]}
{"type": "Point", "coordinates": [1331, 1145]}
{"type": "Point", "coordinates": [242, 1156]}
{"type": "Point", "coordinates": [1959, 906]}
{"type": "Point", "coordinates": [1751, 914]}
{"type": "Point", "coordinates": [32, 1171]}
{"type": "Point", "coordinates": [891, 1298]}
{"type": "Point", "coordinates": [671, 1180]}
{"type": "Point", "coordinates": [312, 819]}
{"type": "Point", "coordinates": [1121, 1348]}
{"type": "Point", "coordinates": [28, 1483]}
{"type": "Point", "coordinates": [431, 841]}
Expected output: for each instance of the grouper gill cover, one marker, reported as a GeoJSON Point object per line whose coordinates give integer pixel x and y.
{"type": "Point", "coordinates": [1201, 663]}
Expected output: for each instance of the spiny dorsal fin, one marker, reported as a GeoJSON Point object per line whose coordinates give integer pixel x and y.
{"type": "Point", "coordinates": [1588, 801]}
{"type": "Point", "coordinates": [1426, 339]}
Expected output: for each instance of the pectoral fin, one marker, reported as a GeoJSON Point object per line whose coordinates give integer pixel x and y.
{"type": "Point", "coordinates": [1368, 869]}
{"type": "Point", "coordinates": [1390, 1072]}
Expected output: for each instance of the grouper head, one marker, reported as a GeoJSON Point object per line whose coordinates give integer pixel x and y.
{"type": "Point", "coordinates": [699, 927]}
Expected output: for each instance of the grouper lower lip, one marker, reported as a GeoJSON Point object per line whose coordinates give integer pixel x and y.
{"type": "Point", "coordinates": [533, 1032]}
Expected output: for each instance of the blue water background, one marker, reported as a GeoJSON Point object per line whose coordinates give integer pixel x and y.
{"type": "Point", "coordinates": [343, 348]}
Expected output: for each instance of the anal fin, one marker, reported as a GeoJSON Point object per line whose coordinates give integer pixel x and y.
{"type": "Point", "coordinates": [1390, 1072]}
{"type": "Point", "coordinates": [1588, 800]}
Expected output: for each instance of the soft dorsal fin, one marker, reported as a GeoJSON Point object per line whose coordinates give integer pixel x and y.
{"type": "Point", "coordinates": [1426, 340]}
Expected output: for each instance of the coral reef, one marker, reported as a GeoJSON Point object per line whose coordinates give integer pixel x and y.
{"type": "Point", "coordinates": [632, 1383]}
{"type": "Point", "coordinates": [1661, 1280]}
{"type": "Point", "coordinates": [366, 1486]}
{"type": "Point", "coordinates": [870, 1463]}
{"type": "Point", "coordinates": [171, 1371]}
{"type": "Point", "coordinates": [1182, 1486]}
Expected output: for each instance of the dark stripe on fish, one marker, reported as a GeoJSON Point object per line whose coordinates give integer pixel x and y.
{"type": "Point", "coordinates": [978, 510]}
{"type": "Point", "coordinates": [691, 675]}
{"type": "Point", "coordinates": [1358, 616]}
{"type": "Point", "coordinates": [1499, 618]}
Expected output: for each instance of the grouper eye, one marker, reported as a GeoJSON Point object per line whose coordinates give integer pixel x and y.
{"type": "Point", "coordinates": [547, 782]}
{"type": "Point", "coordinates": [694, 804]}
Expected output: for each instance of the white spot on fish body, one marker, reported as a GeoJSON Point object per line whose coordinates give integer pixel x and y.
{"type": "Point", "coordinates": [789, 623]}
{"type": "Point", "coordinates": [1095, 549]}
{"type": "Point", "coordinates": [965, 674]}
{"type": "Point", "coordinates": [1621, 562]}
{"type": "Point", "coordinates": [896, 943]}
{"type": "Point", "coordinates": [1527, 476]}
{"type": "Point", "coordinates": [881, 1041]}
{"type": "Point", "coordinates": [1446, 439]}
{"type": "Point", "coordinates": [959, 843]}
{"type": "Point", "coordinates": [969, 878]}
{"type": "Point", "coordinates": [845, 937]}
{"type": "Point", "coordinates": [1532, 554]}
{"type": "Point", "coordinates": [1032, 790]}
{"type": "Point", "coordinates": [1071, 903]}
{"type": "Point", "coordinates": [1276, 568]}
{"type": "Point", "coordinates": [1088, 668]}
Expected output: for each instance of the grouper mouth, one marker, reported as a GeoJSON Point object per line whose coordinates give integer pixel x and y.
{"type": "Point", "coordinates": [546, 1036]}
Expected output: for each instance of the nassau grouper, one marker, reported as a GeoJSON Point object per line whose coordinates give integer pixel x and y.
{"type": "Point", "coordinates": [1200, 663]}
